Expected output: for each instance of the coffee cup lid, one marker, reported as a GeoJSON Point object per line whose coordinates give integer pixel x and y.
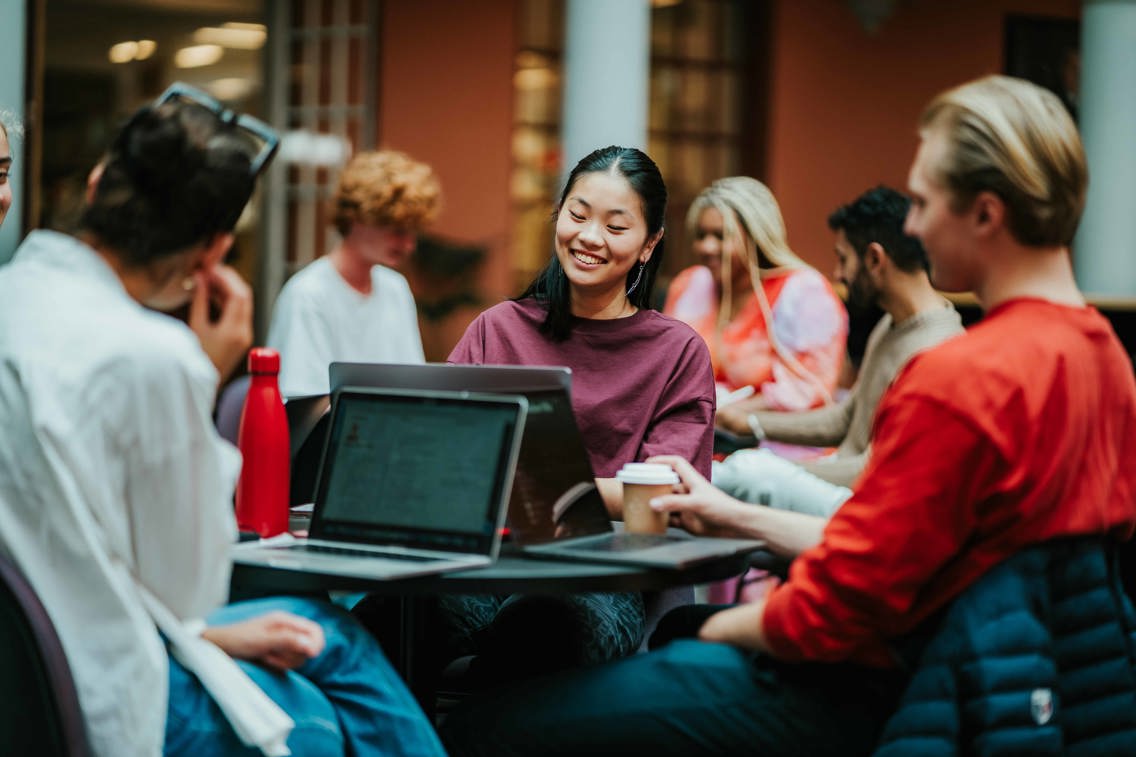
{"type": "Point", "coordinates": [647, 473]}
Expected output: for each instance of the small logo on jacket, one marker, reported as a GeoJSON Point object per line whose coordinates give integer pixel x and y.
{"type": "Point", "coordinates": [1041, 705]}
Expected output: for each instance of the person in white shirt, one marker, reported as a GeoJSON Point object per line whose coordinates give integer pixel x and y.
{"type": "Point", "coordinates": [116, 491]}
{"type": "Point", "coordinates": [352, 305]}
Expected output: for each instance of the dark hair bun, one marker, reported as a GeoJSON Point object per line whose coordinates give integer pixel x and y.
{"type": "Point", "coordinates": [158, 156]}
{"type": "Point", "coordinates": [174, 176]}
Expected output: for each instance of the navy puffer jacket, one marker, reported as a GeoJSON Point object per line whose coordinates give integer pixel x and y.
{"type": "Point", "coordinates": [1038, 657]}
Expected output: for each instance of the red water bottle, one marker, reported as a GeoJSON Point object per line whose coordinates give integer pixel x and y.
{"type": "Point", "coordinates": [262, 491]}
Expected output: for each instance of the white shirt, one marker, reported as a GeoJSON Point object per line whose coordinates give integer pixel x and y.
{"type": "Point", "coordinates": [110, 471]}
{"type": "Point", "coordinates": [319, 319]}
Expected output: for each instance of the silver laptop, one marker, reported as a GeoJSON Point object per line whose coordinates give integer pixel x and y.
{"type": "Point", "coordinates": [412, 483]}
{"type": "Point", "coordinates": [555, 508]}
{"type": "Point", "coordinates": [308, 418]}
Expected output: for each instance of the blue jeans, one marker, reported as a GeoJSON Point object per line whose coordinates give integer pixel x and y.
{"type": "Point", "coordinates": [687, 699]}
{"type": "Point", "coordinates": [346, 701]}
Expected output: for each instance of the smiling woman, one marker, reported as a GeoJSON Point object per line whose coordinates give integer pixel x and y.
{"type": "Point", "coordinates": [600, 236]}
{"type": "Point", "coordinates": [641, 386]}
{"type": "Point", "coordinates": [641, 382]}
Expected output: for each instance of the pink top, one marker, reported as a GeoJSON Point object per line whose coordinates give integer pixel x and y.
{"type": "Point", "coordinates": [809, 321]}
{"type": "Point", "coordinates": [641, 385]}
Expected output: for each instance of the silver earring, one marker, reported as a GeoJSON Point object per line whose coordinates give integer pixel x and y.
{"type": "Point", "coordinates": [638, 276]}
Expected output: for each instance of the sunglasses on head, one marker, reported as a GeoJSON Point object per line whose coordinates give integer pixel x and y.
{"type": "Point", "coordinates": [263, 135]}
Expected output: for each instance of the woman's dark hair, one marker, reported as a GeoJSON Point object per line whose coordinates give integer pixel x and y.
{"type": "Point", "coordinates": [551, 285]}
{"type": "Point", "coordinates": [174, 176]}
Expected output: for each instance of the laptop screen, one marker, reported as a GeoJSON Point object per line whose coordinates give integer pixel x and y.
{"type": "Point", "coordinates": [425, 470]}
{"type": "Point", "coordinates": [553, 492]}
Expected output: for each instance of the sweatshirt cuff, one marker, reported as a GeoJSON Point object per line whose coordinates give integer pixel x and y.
{"type": "Point", "coordinates": [779, 636]}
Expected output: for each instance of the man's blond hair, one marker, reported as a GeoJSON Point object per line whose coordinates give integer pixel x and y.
{"type": "Point", "coordinates": [1017, 140]}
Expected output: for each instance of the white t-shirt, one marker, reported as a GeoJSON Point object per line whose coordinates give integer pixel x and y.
{"type": "Point", "coordinates": [110, 471]}
{"type": "Point", "coordinates": [319, 319]}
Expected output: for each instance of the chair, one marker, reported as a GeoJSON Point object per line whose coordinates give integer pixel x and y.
{"type": "Point", "coordinates": [39, 707]}
{"type": "Point", "coordinates": [230, 403]}
{"type": "Point", "coordinates": [1036, 657]}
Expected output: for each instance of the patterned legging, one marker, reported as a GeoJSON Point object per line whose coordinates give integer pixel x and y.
{"type": "Point", "coordinates": [541, 633]}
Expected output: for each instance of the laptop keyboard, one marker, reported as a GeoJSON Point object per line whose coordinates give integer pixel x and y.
{"type": "Point", "coordinates": [326, 549]}
{"type": "Point", "coordinates": [624, 541]}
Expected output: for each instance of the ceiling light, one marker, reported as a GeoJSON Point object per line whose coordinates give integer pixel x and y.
{"type": "Point", "coordinates": [146, 48]}
{"type": "Point", "coordinates": [242, 25]}
{"type": "Point", "coordinates": [310, 148]}
{"type": "Point", "coordinates": [534, 78]}
{"type": "Point", "coordinates": [234, 35]}
{"type": "Point", "coordinates": [230, 88]}
{"type": "Point", "coordinates": [196, 56]}
{"type": "Point", "coordinates": [123, 52]}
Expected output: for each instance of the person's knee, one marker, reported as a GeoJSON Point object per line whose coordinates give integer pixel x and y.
{"type": "Point", "coordinates": [563, 631]}
{"type": "Point", "coordinates": [195, 724]}
{"type": "Point", "coordinates": [749, 475]}
{"type": "Point", "coordinates": [317, 737]}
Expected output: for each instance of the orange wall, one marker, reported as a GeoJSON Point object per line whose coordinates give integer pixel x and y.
{"type": "Point", "coordinates": [845, 102]}
{"type": "Point", "coordinates": [446, 97]}
{"type": "Point", "coordinates": [842, 111]}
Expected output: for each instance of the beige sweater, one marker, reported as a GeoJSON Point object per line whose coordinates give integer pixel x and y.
{"type": "Point", "coordinates": [847, 424]}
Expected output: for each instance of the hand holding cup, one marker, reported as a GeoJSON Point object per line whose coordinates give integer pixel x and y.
{"type": "Point", "coordinates": [641, 483]}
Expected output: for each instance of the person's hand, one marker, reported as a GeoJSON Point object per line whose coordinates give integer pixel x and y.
{"type": "Point", "coordinates": [278, 639]}
{"type": "Point", "coordinates": [733, 418]}
{"type": "Point", "coordinates": [226, 334]}
{"type": "Point", "coordinates": [699, 507]}
{"type": "Point", "coordinates": [739, 626]}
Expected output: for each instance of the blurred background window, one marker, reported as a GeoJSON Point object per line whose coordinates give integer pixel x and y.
{"type": "Point", "coordinates": [704, 121]}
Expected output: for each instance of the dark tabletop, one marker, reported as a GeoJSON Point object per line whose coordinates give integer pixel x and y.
{"type": "Point", "coordinates": [510, 574]}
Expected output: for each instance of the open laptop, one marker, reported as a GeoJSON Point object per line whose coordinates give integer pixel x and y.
{"type": "Point", "coordinates": [308, 418]}
{"type": "Point", "coordinates": [412, 483]}
{"type": "Point", "coordinates": [555, 509]}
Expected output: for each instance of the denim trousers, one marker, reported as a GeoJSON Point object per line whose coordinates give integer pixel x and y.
{"type": "Point", "coordinates": [348, 700]}
{"type": "Point", "coordinates": [686, 699]}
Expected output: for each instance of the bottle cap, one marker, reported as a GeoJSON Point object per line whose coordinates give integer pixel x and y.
{"type": "Point", "coordinates": [263, 360]}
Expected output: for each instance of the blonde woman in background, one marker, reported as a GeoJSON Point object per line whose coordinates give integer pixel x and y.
{"type": "Point", "coordinates": [771, 321]}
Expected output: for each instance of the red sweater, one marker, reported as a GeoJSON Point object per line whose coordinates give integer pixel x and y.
{"type": "Point", "coordinates": [1020, 430]}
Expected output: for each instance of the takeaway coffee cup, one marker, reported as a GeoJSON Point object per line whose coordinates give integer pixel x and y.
{"type": "Point", "coordinates": [642, 482]}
